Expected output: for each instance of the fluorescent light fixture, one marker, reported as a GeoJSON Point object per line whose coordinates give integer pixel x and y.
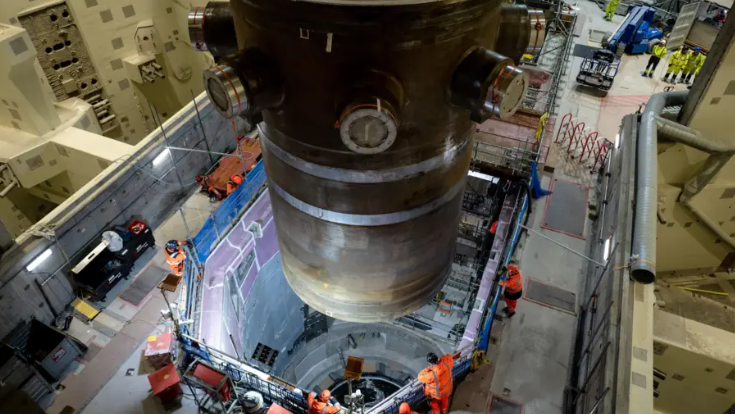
{"type": "Point", "coordinates": [617, 141]}
{"type": "Point", "coordinates": [482, 176]}
{"type": "Point", "coordinates": [160, 158]}
{"type": "Point", "coordinates": [38, 260]}
{"type": "Point", "coordinates": [606, 251]}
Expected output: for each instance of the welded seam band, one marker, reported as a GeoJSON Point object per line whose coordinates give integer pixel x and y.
{"type": "Point", "coordinates": [360, 176]}
{"type": "Point", "coordinates": [367, 219]}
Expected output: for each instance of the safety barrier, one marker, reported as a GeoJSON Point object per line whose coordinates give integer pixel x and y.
{"type": "Point", "coordinates": [580, 143]}
{"type": "Point", "coordinates": [219, 222]}
{"type": "Point", "coordinates": [413, 392]}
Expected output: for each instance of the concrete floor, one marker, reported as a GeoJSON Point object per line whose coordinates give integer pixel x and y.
{"type": "Point", "coordinates": [116, 337]}
{"type": "Point", "coordinates": [531, 361]}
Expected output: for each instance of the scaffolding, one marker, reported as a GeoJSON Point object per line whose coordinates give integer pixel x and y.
{"type": "Point", "coordinates": [517, 156]}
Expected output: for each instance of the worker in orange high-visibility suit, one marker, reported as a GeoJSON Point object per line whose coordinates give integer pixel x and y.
{"type": "Point", "coordinates": [324, 404]}
{"type": "Point", "coordinates": [404, 408]}
{"type": "Point", "coordinates": [513, 288]}
{"type": "Point", "coordinates": [233, 183]}
{"type": "Point", "coordinates": [438, 383]}
{"type": "Point", "coordinates": [175, 256]}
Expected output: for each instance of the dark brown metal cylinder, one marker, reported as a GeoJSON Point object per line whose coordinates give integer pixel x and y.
{"type": "Point", "coordinates": [365, 152]}
{"type": "Point", "coordinates": [211, 29]}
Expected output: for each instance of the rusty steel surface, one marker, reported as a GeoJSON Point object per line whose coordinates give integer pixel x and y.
{"type": "Point", "coordinates": [366, 155]}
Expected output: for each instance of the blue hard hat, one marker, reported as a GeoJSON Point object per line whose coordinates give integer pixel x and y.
{"type": "Point", "coordinates": [172, 245]}
{"type": "Point", "coordinates": [697, 49]}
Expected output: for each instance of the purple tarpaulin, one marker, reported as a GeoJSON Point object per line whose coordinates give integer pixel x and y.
{"type": "Point", "coordinates": [228, 256]}
{"type": "Point", "coordinates": [488, 275]}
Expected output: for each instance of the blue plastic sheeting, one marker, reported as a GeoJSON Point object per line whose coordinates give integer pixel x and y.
{"type": "Point", "coordinates": [218, 222]}
{"type": "Point", "coordinates": [536, 190]}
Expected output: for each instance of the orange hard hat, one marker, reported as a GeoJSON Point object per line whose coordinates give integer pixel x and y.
{"type": "Point", "coordinates": [404, 409]}
{"type": "Point", "coordinates": [325, 395]}
{"type": "Point", "coordinates": [236, 179]}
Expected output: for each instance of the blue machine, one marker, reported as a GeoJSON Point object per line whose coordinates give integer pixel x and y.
{"type": "Point", "coordinates": [635, 32]}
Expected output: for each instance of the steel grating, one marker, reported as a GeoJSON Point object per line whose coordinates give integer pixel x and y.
{"type": "Point", "coordinates": [146, 281]}
{"type": "Point", "coordinates": [551, 296]}
{"type": "Point", "coordinates": [499, 405]}
{"type": "Point", "coordinates": [566, 208]}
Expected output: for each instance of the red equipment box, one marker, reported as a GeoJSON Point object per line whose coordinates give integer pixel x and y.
{"type": "Point", "coordinates": [158, 349]}
{"type": "Point", "coordinates": [215, 184]}
{"type": "Point", "coordinates": [165, 384]}
{"type": "Point", "coordinates": [213, 377]}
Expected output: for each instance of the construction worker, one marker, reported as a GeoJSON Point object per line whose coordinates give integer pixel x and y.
{"type": "Point", "coordinates": [612, 5]}
{"type": "Point", "coordinates": [324, 404]}
{"type": "Point", "coordinates": [694, 64]}
{"type": "Point", "coordinates": [233, 183]}
{"type": "Point", "coordinates": [404, 408]}
{"type": "Point", "coordinates": [677, 62]}
{"type": "Point", "coordinates": [658, 52]}
{"type": "Point", "coordinates": [175, 256]}
{"type": "Point", "coordinates": [513, 288]}
{"type": "Point", "coordinates": [438, 383]}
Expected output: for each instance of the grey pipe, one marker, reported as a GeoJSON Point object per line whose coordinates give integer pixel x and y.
{"type": "Point", "coordinates": [643, 266]}
{"type": "Point", "coordinates": [8, 187]}
{"type": "Point", "coordinates": [721, 152]}
{"type": "Point", "coordinates": [677, 132]}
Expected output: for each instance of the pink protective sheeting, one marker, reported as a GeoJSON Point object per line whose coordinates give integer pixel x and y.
{"type": "Point", "coordinates": [488, 276]}
{"type": "Point", "coordinates": [227, 257]}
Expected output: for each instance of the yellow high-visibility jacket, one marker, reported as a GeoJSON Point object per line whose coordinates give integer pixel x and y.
{"type": "Point", "coordinates": [659, 50]}
{"type": "Point", "coordinates": [694, 63]}
{"type": "Point", "coordinates": [611, 6]}
{"type": "Point", "coordinates": [679, 59]}
{"type": "Point", "coordinates": [700, 65]}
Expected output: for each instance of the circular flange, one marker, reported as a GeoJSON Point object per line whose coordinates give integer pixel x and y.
{"type": "Point", "coordinates": [368, 129]}
{"type": "Point", "coordinates": [195, 21]}
{"type": "Point", "coordinates": [226, 91]}
{"type": "Point", "coordinates": [506, 92]}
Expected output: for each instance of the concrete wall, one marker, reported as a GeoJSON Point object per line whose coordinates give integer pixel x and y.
{"type": "Point", "coordinates": [684, 244]}
{"type": "Point", "coordinates": [127, 188]}
{"type": "Point", "coordinates": [391, 350]}
{"type": "Point", "coordinates": [108, 29]}
{"type": "Point", "coordinates": [699, 361]}
{"type": "Point", "coordinates": [272, 313]}
{"type": "Point", "coordinates": [696, 307]}
{"type": "Point", "coordinates": [703, 34]}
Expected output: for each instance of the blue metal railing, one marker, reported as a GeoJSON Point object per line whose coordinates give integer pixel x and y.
{"type": "Point", "coordinates": [413, 393]}
{"type": "Point", "coordinates": [485, 336]}
{"type": "Point", "coordinates": [216, 227]}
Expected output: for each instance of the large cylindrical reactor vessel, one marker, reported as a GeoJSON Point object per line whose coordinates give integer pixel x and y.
{"type": "Point", "coordinates": [366, 110]}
